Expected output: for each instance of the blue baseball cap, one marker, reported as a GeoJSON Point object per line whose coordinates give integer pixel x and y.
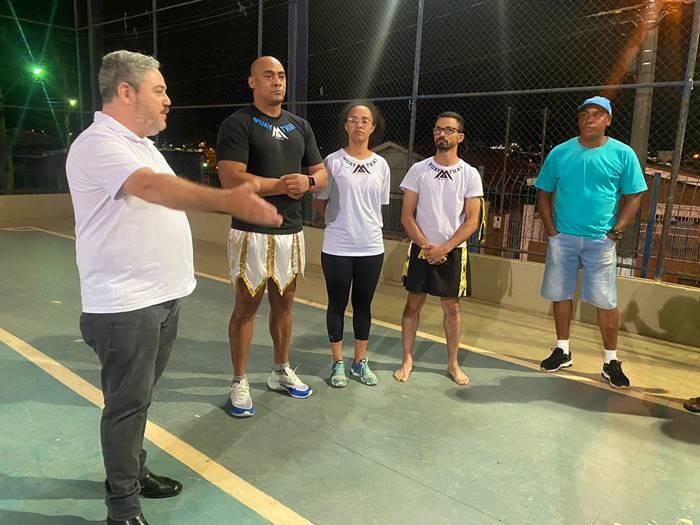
{"type": "Point", "coordinates": [597, 101]}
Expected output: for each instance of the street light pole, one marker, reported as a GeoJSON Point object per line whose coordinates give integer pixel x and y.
{"type": "Point", "coordinates": [680, 138]}
{"type": "Point", "coordinates": [7, 179]}
{"type": "Point", "coordinates": [646, 60]}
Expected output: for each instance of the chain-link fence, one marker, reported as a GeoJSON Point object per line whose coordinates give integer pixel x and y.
{"type": "Point", "coordinates": [515, 70]}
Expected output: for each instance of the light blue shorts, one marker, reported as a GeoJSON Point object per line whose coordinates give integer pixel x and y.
{"type": "Point", "coordinates": [567, 254]}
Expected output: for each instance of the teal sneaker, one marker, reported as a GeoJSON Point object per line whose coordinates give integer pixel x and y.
{"type": "Point", "coordinates": [338, 377]}
{"type": "Point", "coordinates": [361, 370]}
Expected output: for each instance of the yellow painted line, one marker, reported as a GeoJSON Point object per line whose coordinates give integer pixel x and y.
{"type": "Point", "coordinates": [213, 277]}
{"type": "Point", "coordinates": [266, 506]}
{"type": "Point", "coordinates": [18, 229]}
{"type": "Point", "coordinates": [568, 374]}
{"type": "Point", "coordinates": [57, 234]}
{"type": "Point", "coordinates": [52, 367]}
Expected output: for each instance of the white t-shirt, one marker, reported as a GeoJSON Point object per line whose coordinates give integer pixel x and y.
{"type": "Point", "coordinates": [441, 192]}
{"type": "Point", "coordinates": [131, 254]}
{"type": "Point", "coordinates": [355, 193]}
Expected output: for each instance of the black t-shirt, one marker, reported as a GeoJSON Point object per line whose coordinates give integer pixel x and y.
{"type": "Point", "coordinates": [269, 147]}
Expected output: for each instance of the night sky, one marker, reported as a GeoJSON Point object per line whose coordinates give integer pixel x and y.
{"type": "Point", "coordinates": [365, 48]}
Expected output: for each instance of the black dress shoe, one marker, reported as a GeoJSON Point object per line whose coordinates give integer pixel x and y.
{"type": "Point", "coordinates": [693, 405]}
{"type": "Point", "coordinates": [138, 520]}
{"type": "Point", "coordinates": [153, 486]}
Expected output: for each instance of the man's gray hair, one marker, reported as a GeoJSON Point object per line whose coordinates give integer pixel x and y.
{"type": "Point", "coordinates": [123, 66]}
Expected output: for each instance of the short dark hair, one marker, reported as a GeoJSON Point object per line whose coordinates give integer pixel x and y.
{"type": "Point", "coordinates": [454, 115]}
{"type": "Point", "coordinates": [377, 119]}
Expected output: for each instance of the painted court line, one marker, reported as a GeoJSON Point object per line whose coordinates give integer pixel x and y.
{"type": "Point", "coordinates": [51, 232]}
{"type": "Point", "coordinates": [219, 476]}
{"type": "Point", "coordinates": [567, 374]}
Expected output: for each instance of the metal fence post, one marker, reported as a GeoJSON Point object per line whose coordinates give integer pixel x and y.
{"type": "Point", "coordinates": [680, 137]}
{"type": "Point", "coordinates": [154, 6]}
{"type": "Point", "coordinates": [298, 51]}
{"type": "Point", "coordinates": [416, 79]}
{"type": "Point", "coordinates": [7, 180]}
{"type": "Point", "coordinates": [506, 152]}
{"type": "Point", "coordinates": [651, 220]}
{"type": "Point", "coordinates": [260, 27]}
{"type": "Point", "coordinates": [643, 97]}
{"type": "Point", "coordinates": [154, 21]}
{"type": "Point", "coordinates": [91, 55]}
{"type": "Point", "coordinates": [545, 117]}
{"type": "Point", "coordinates": [76, 25]}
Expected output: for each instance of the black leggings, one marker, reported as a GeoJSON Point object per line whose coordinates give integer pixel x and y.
{"type": "Point", "coordinates": [340, 272]}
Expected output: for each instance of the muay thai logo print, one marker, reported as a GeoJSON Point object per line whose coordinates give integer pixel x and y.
{"type": "Point", "coordinates": [361, 168]}
{"type": "Point", "coordinates": [442, 173]}
{"type": "Point", "coordinates": [358, 167]}
{"type": "Point", "coordinates": [277, 132]}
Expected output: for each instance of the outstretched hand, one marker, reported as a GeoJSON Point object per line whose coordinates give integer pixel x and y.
{"type": "Point", "coordinates": [245, 204]}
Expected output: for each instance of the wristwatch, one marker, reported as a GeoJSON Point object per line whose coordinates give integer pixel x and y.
{"type": "Point", "coordinates": [617, 234]}
{"type": "Point", "coordinates": [312, 182]}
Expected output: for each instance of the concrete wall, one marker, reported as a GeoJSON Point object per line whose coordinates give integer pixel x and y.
{"type": "Point", "coordinates": [661, 310]}
{"type": "Point", "coordinates": [665, 311]}
{"type": "Point", "coordinates": [18, 207]}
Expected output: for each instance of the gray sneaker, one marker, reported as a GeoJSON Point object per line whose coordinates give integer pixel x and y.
{"type": "Point", "coordinates": [287, 381]}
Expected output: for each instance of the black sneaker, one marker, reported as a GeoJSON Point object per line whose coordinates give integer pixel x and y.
{"type": "Point", "coordinates": [557, 360]}
{"type": "Point", "coordinates": [612, 371]}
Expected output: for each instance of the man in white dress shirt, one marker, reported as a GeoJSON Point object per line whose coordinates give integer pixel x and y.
{"type": "Point", "coordinates": [134, 255]}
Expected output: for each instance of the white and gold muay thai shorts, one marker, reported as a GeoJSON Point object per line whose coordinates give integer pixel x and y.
{"type": "Point", "coordinates": [256, 257]}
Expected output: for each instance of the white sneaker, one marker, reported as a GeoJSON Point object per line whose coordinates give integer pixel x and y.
{"type": "Point", "coordinates": [287, 381]}
{"type": "Point", "coordinates": [241, 403]}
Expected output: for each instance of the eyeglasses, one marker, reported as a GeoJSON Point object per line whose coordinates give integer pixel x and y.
{"type": "Point", "coordinates": [360, 120]}
{"type": "Point", "coordinates": [447, 131]}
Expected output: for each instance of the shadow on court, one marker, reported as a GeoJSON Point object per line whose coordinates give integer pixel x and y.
{"type": "Point", "coordinates": [32, 518]}
{"type": "Point", "coordinates": [25, 487]}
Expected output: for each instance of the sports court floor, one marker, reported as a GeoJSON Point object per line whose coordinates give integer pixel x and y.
{"type": "Point", "coordinates": [516, 446]}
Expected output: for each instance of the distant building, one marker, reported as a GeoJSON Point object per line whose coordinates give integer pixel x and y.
{"type": "Point", "coordinates": [397, 158]}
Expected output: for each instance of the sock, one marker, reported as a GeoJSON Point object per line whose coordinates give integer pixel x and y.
{"type": "Point", "coordinates": [564, 345]}
{"type": "Point", "coordinates": [238, 379]}
{"type": "Point", "coordinates": [610, 355]}
{"type": "Point", "coordinates": [281, 366]}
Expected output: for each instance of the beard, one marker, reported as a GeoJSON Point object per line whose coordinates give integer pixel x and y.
{"type": "Point", "coordinates": [443, 145]}
{"type": "Point", "coordinates": [150, 123]}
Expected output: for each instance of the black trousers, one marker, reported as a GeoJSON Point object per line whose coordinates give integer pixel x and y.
{"type": "Point", "coordinates": [133, 349]}
{"type": "Point", "coordinates": [342, 273]}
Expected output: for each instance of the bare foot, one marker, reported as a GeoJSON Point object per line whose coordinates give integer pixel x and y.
{"type": "Point", "coordinates": [458, 376]}
{"type": "Point", "coordinates": [402, 374]}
